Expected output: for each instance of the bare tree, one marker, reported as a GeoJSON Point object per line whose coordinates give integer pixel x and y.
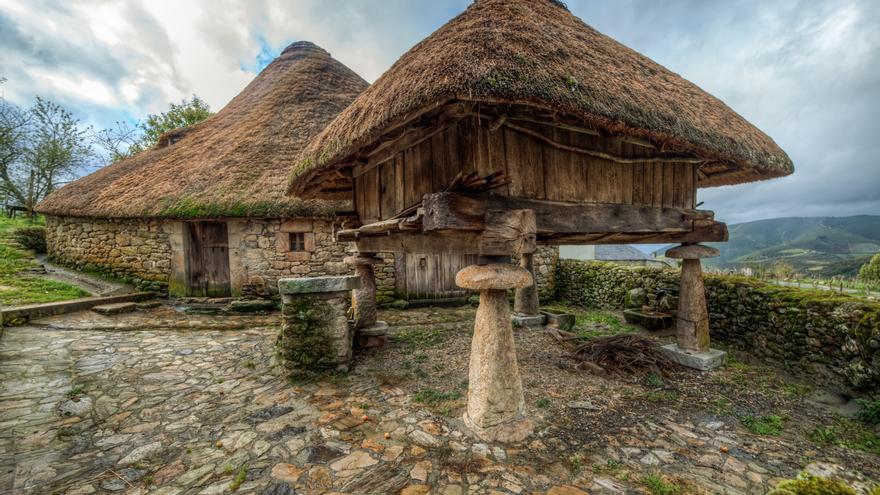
{"type": "Point", "coordinates": [121, 141]}
{"type": "Point", "coordinates": [39, 149]}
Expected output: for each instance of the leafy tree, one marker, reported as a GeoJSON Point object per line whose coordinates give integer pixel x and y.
{"type": "Point", "coordinates": [125, 140]}
{"type": "Point", "coordinates": [188, 112]}
{"type": "Point", "coordinates": [39, 148]}
{"type": "Point", "coordinates": [870, 271]}
{"type": "Point", "coordinates": [783, 270]}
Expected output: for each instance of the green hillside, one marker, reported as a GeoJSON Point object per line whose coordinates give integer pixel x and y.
{"type": "Point", "coordinates": [822, 246]}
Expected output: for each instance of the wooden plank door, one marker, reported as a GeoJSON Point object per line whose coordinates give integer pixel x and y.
{"type": "Point", "coordinates": [432, 276]}
{"type": "Point", "coordinates": [207, 259]}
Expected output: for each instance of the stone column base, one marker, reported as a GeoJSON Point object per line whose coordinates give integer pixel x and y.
{"type": "Point", "coordinates": [375, 335]}
{"type": "Point", "coordinates": [699, 360]}
{"type": "Point", "coordinates": [513, 431]}
{"type": "Point", "coordinates": [537, 321]}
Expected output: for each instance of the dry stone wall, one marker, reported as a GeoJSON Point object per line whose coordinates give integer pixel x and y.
{"type": "Point", "coordinates": [137, 251]}
{"type": "Point", "coordinates": [821, 333]}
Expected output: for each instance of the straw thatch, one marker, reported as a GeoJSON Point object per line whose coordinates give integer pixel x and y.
{"type": "Point", "coordinates": [537, 54]}
{"type": "Point", "coordinates": [232, 164]}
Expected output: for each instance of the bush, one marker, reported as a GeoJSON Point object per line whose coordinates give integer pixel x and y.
{"type": "Point", "coordinates": [33, 238]}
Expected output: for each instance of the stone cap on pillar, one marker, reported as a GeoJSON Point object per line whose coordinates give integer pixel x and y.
{"type": "Point", "coordinates": [692, 252]}
{"type": "Point", "coordinates": [362, 259]}
{"type": "Point", "coordinates": [497, 276]}
{"type": "Point", "coordinates": [311, 285]}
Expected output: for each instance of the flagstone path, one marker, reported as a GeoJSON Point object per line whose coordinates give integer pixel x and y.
{"type": "Point", "coordinates": [164, 403]}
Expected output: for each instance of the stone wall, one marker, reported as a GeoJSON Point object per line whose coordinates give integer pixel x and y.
{"type": "Point", "coordinates": [816, 332]}
{"type": "Point", "coordinates": [137, 251]}
{"type": "Point", "coordinates": [545, 260]}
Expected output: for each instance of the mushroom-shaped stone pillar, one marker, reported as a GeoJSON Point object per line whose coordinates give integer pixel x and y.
{"type": "Point", "coordinates": [495, 406]}
{"type": "Point", "coordinates": [692, 327]}
{"type": "Point", "coordinates": [369, 331]}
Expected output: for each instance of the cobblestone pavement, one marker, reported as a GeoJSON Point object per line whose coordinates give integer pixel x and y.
{"type": "Point", "coordinates": [90, 404]}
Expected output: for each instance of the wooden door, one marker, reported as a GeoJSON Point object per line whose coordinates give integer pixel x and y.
{"type": "Point", "coordinates": [432, 276]}
{"type": "Point", "coordinates": [207, 259]}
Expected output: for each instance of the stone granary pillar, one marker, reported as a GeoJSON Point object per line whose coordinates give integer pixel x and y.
{"type": "Point", "coordinates": [692, 327]}
{"type": "Point", "coordinates": [315, 332]}
{"type": "Point", "coordinates": [369, 332]}
{"type": "Point", "coordinates": [526, 307]}
{"type": "Point", "coordinates": [495, 406]}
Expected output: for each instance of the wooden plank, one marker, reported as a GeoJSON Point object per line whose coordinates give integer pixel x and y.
{"type": "Point", "coordinates": [467, 145]}
{"type": "Point", "coordinates": [497, 155]}
{"type": "Point", "coordinates": [668, 184]}
{"type": "Point", "coordinates": [371, 196]}
{"type": "Point", "coordinates": [387, 193]}
{"type": "Point", "coordinates": [437, 167]}
{"type": "Point", "coordinates": [453, 153]}
{"type": "Point", "coordinates": [410, 182]}
{"type": "Point", "coordinates": [399, 184]}
{"type": "Point", "coordinates": [524, 162]}
{"type": "Point", "coordinates": [359, 198]}
{"type": "Point", "coordinates": [565, 176]}
{"type": "Point", "coordinates": [481, 147]}
{"type": "Point", "coordinates": [453, 211]}
{"type": "Point", "coordinates": [657, 199]}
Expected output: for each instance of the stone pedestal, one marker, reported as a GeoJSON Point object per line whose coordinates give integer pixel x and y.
{"type": "Point", "coordinates": [315, 332]}
{"type": "Point", "coordinates": [692, 325]}
{"type": "Point", "coordinates": [526, 307]}
{"type": "Point", "coordinates": [495, 408]}
{"type": "Point", "coordinates": [369, 331]}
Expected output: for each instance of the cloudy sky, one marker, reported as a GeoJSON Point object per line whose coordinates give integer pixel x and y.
{"type": "Point", "coordinates": [805, 72]}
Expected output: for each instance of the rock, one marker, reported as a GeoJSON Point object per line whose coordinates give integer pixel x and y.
{"type": "Point", "coordinates": [141, 453]}
{"type": "Point", "coordinates": [356, 460]}
{"type": "Point", "coordinates": [76, 406]}
{"type": "Point", "coordinates": [636, 298]}
{"type": "Point", "coordinates": [584, 404]}
{"type": "Point", "coordinates": [566, 490]}
{"type": "Point", "coordinates": [421, 471]}
{"type": "Point", "coordinates": [287, 472]}
{"type": "Point", "coordinates": [245, 306]}
{"type": "Point", "coordinates": [318, 284]}
{"type": "Point", "coordinates": [279, 488]}
{"type": "Point", "coordinates": [422, 438]}
{"type": "Point", "coordinates": [415, 490]}
{"type": "Point", "coordinates": [114, 308]}
{"type": "Point", "coordinates": [400, 304]}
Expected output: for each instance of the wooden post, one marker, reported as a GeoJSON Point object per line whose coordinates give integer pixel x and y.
{"type": "Point", "coordinates": [495, 408]}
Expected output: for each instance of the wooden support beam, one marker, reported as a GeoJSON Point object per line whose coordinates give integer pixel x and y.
{"type": "Point", "coordinates": [492, 243]}
{"type": "Point", "coordinates": [456, 211]}
{"type": "Point", "coordinates": [705, 231]}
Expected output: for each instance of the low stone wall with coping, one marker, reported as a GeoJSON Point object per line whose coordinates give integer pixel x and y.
{"type": "Point", "coordinates": [821, 333]}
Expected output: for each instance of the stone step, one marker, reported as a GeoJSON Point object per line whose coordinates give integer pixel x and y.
{"type": "Point", "coordinates": [19, 315]}
{"type": "Point", "coordinates": [115, 308]}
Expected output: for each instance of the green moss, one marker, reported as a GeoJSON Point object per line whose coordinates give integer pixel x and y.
{"type": "Point", "coordinates": [770, 425]}
{"type": "Point", "coordinates": [657, 485]}
{"type": "Point", "coordinates": [304, 343]}
{"type": "Point", "coordinates": [239, 479]}
{"type": "Point", "coordinates": [807, 484]}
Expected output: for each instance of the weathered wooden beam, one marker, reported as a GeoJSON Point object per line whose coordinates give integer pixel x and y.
{"type": "Point", "coordinates": [704, 231]}
{"type": "Point", "coordinates": [456, 211]}
{"type": "Point", "coordinates": [458, 242]}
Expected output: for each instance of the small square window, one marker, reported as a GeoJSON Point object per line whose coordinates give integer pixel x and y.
{"type": "Point", "coordinates": [297, 242]}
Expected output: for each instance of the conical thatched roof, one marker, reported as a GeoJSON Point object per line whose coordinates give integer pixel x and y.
{"type": "Point", "coordinates": [232, 164]}
{"type": "Point", "coordinates": [536, 53]}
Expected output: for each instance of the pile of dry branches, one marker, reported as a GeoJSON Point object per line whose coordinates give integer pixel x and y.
{"type": "Point", "coordinates": [625, 354]}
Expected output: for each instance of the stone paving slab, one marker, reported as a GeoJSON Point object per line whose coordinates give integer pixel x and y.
{"type": "Point", "coordinates": [196, 411]}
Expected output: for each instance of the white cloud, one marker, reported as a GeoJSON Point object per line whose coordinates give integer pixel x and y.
{"type": "Point", "coordinates": [805, 72]}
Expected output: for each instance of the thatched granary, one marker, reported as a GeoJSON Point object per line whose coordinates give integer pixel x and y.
{"type": "Point", "coordinates": [513, 125]}
{"type": "Point", "coordinates": [205, 211]}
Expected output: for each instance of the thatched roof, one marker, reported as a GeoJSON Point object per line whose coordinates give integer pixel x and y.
{"type": "Point", "coordinates": [232, 164]}
{"type": "Point", "coordinates": [535, 53]}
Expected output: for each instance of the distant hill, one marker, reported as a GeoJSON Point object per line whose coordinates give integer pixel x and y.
{"type": "Point", "coordinates": [824, 246]}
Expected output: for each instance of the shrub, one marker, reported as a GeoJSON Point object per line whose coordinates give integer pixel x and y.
{"type": "Point", "coordinates": [869, 412]}
{"type": "Point", "coordinates": [33, 238]}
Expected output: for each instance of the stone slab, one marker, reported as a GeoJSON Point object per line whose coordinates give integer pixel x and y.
{"type": "Point", "coordinates": [115, 308]}
{"type": "Point", "coordinates": [703, 361]}
{"type": "Point", "coordinates": [18, 315]}
{"type": "Point", "coordinates": [653, 322]}
{"type": "Point", "coordinates": [562, 321]}
{"type": "Point", "coordinates": [312, 285]}
{"type": "Point", "coordinates": [528, 321]}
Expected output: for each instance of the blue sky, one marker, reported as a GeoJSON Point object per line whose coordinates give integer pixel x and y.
{"type": "Point", "coordinates": [805, 72]}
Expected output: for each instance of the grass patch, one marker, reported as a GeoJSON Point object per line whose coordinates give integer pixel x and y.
{"type": "Point", "coordinates": [16, 285]}
{"type": "Point", "coordinates": [576, 462]}
{"type": "Point", "coordinates": [76, 391]}
{"type": "Point", "coordinates": [848, 434]}
{"type": "Point", "coordinates": [869, 412]}
{"type": "Point", "coordinates": [599, 324]}
{"type": "Point", "coordinates": [770, 425]}
{"type": "Point", "coordinates": [239, 478]}
{"type": "Point", "coordinates": [657, 485]}
{"type": "Point", "coordinates": [806, 484]}
{"type": "Point", "coordinates": [420, 337]}
{"type": "Point", "coordinates": [543, 403]}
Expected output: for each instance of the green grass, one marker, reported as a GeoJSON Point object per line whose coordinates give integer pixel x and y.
{"type": "Point", "coordinates": [239, 478]}
{"type": "Point", "coordinates": [432, 397]}
{"type": "Point", "coordinates": [659, 486]}
{"type": "Point", "coordinates": [543, 403]}
{"type": "Point", "coordinates": [770, 425]}
{"type": "Point", "coordinates": [599, 324]}
{"type": "Point", "coordinates": [16, 286]}
{"type": "Point", "coordinates": [420, 337]}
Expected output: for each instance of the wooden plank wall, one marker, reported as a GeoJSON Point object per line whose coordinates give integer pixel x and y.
{"type": "Point", "coordinates": [538, 170]}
